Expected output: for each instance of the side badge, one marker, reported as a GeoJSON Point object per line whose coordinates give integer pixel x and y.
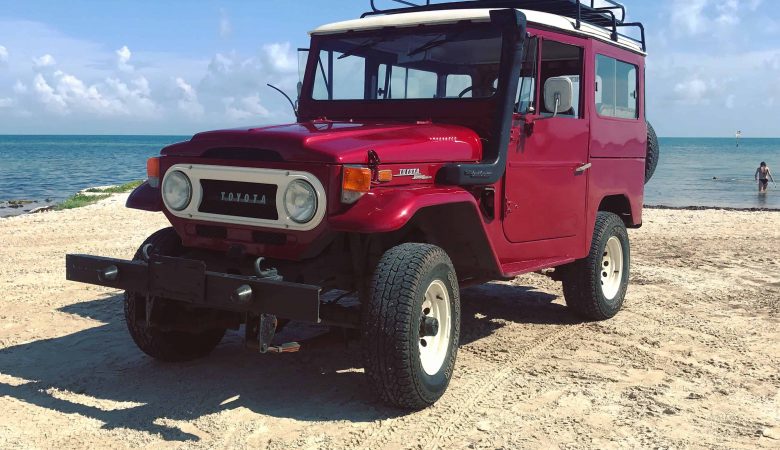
{"type": "Point", "coordinates": [414, 173]}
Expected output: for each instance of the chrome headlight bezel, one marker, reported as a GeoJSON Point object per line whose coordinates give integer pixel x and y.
{"type": "Point", "coordinates": [307, 214]}
{"type": "Point", "coordinates": [180, 177]}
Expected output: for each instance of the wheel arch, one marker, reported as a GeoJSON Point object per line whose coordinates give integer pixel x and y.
{"type": "Point", "coordinates": [620, 205]}
{"type": "Point", "coordinates": [458, 229]}
{"type": "Point", "coordinates": [446, 217]}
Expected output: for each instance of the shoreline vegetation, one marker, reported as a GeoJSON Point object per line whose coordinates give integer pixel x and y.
{"type": "Point", "coordinates": [82, 198]}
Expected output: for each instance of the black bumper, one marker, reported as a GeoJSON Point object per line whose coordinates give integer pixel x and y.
{"type": "Point", "coordinates": [188, 281]}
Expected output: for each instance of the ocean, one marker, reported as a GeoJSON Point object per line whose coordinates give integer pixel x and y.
{"type": "Point", "coordinates": [48, 169]}
{"type": "Point", "coordinates": [692, 171]}
{"type": "Point", "coordinates": [714, 172]}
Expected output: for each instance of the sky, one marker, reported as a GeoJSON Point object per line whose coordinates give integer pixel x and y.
{"type": "Point", "coordinates": [182, 66]}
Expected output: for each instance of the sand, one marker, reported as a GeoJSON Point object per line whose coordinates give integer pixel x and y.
{"type": "Point", "coordinates": [693, 360]}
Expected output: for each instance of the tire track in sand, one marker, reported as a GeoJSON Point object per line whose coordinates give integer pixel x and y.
{"type": "Point", "coordinates": [490, 373]}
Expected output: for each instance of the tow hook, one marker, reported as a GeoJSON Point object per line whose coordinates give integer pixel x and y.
{"type": "Point", "coordinates": [260, 331]}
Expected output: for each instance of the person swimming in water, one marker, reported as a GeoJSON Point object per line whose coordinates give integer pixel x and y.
{"type": "Point", "coordinates": [763, 176]}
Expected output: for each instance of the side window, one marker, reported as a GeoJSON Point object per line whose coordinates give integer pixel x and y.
{"type": "Point", "coordinates": [457, 84]}
{"type": "Point", "coordinates": [562, 61]}
{"type": "Point", "coordinates": [616, 88]}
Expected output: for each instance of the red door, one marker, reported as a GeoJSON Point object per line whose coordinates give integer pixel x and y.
{"type": "Point", "coordinates": [547, 177]}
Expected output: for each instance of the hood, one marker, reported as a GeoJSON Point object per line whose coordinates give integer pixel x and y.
{"type": "Point", "coordinates": [338, 143]}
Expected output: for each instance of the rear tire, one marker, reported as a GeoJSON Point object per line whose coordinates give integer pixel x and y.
{"type": "Point", "coordinates": [165, 345]}
{"type": "Point", "coordinates": [595, 287]}
{"type": "Point", "coordinates": [409, 361]}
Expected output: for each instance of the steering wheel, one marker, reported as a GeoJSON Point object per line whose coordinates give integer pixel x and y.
{"type": "Point", "coordinates": [471, 88]}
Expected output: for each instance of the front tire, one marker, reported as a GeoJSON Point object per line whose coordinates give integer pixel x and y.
{"type": "Point", "coordinates": [411, 326]}
{"type": "Point", "coordinates": [595, 287]}
{"type": "Point", "coordinates": [171, 346]}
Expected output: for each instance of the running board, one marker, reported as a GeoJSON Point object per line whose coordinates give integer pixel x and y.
{"type": "Point", "coordinates": [518, 268]}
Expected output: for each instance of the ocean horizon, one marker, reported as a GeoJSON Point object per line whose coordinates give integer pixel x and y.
{"type": "Point", "coordinates": [706, 172]}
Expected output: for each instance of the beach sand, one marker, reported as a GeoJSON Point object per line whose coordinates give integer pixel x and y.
{"type": "Point", "coordinates": [692, 361]}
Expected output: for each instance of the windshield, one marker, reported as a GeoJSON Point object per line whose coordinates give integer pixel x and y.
{"type": "Point", "coordinates": [451, 62]}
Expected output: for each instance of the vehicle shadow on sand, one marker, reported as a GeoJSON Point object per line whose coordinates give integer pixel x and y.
{"type": "Point", "coordinates": [99, 373]}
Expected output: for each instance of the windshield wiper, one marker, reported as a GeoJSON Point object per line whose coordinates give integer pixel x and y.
{"type": "Point", "coordinates": [432, 44]}
{"type": "Point", "coordinates": [366, 45]}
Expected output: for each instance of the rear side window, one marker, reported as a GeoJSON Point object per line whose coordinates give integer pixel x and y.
{"type": "Point", "coordinates": [616, 88]}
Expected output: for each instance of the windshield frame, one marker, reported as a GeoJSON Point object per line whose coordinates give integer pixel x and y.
{"type": "Point", "coordinates": [391, 108]}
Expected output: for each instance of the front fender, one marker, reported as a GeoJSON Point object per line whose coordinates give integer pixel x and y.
{"type": "Point", "coordinates": [388, 209]}
{"type": "Point", "coordinates": [146, 198]}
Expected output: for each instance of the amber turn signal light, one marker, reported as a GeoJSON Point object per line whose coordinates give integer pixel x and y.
{"type": "Point", "coordinates": [385, 175]}
{"type": "Point", "coordinates": [355, 182]}
{"type": "Point", "coordinates": [357, 179]}
{"type": "Point", "coordinates": [153, 171]}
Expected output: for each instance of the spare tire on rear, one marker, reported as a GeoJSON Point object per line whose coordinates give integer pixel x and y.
{"type": "Point", "coordinates": [653, 150]}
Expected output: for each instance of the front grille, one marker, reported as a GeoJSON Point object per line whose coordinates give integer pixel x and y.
{"type": "Point", "coordinates": [239, 199]}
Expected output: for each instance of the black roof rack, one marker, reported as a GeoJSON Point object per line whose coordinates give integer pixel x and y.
{"type": "Point", "coordinates": [611, 17]}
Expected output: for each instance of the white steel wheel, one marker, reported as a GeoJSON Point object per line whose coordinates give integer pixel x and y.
{"type": "Point", "coordinates": [612, 268]}
{"type": "Point", "coordinates": [436, 306]}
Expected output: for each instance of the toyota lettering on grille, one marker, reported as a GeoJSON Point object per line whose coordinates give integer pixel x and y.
{"type": "Point", "coordinates": [238, 197]}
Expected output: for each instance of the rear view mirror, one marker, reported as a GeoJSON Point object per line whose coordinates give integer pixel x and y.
{"type": "Point", "coordinates": [558, 94]}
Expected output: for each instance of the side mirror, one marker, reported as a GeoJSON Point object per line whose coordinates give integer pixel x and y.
{"type": "Point", "coordinates": [558, 94]}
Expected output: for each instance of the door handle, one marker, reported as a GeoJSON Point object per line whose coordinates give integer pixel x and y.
{"type": "Point", "coordinates": [583, 168]}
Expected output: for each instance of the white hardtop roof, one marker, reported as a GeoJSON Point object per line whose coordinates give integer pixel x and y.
{"type": "Point", "coordinates": [477, 15]}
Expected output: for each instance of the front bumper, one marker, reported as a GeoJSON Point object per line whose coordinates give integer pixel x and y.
{"type": "Point", "coordinates": [188, 281]}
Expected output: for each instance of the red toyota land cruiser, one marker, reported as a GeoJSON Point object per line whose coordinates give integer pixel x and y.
{"type": "Point", "coordinates": [435, 146]}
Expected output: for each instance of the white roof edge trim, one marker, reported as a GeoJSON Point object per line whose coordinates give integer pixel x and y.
{"type": "Point", "coordinates": [476, 15]}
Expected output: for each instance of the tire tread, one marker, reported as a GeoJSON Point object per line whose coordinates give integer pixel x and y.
{"type": "Point", "coordinates": [387, 317]}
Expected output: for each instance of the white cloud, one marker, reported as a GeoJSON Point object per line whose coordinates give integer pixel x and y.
{"type": "Point", "coordinates": [134, 99]}
{"type": "Point", "coordinates": [44, 61]}
{"type": "Point", "coordinates": [92, 88]}
{"type": "Point", "coordinates": [6, 102]}
{"type": "Point", "coordinates": [20, 88]}
{"type": "Point", "coordinates": [688, 15]}
{"type": "Point", "coordinates": [123, 57]}
{"type": "Point", "coordinates": [188, 99]}
{"type": "Point", "coordinates": [3, 55]}
{"type": "Point", "coordinates": [700, 17]}
{"type": "Point", "coordinates": [225, 27]}
{"type": "Point", "coordinates": [46, 95]}
{"type": "Point", "coordinates": [730, 101]}
{"type": "Point", "coordinates": [728, 12]}
{"type": "Point", "coordinates": [65, 94]}
{"type": "Point", "coordinates": [245, 108]}
{"type": "Point", "coordinates": [694, 91]}
{"type": "Point", "coordinates": [281, 58]}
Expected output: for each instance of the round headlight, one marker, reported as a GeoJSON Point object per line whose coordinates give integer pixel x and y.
{"type": "Point", "coordinates": [177, 190]}
{"type": "Point", "coordinates": [300, 201]}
